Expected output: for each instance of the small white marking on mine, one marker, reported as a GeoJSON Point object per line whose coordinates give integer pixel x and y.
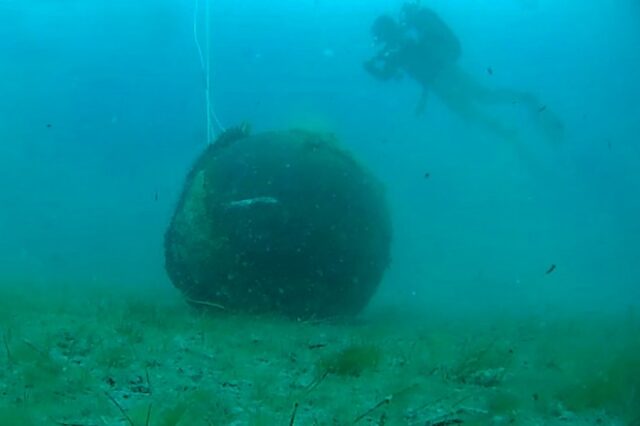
{"type": "Point", "coordinates": [247, 202]}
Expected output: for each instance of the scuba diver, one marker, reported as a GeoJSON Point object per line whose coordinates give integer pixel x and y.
{"type": "Point", "coordinates": [421, 46]}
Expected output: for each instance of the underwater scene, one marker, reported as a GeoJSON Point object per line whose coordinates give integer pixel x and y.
{"type": "Point", "coordinates": [319, 212]}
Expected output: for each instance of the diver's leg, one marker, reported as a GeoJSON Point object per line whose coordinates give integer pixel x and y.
{"type": "Point", "coordinates": [422, 102]}
{"type": "Point", "coordinates": [455, 94]}
{"type": "Point", "coordinates": [475, 115]}
{"type": "Point", "coordinates": [545, 120]}
{"type": "Point", "coordinates": [494, 96]}
{"type": "Point", "coordinates": [469, 112]}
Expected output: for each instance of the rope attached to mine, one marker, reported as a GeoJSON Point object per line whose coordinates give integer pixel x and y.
{"type": "Point", "coordinates": [205, 63]}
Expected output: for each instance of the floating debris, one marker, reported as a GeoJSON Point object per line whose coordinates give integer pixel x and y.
{"type": "Point", "coordinates": [551, 269]}
{"type": "Point", "coordinates": [317, 345]}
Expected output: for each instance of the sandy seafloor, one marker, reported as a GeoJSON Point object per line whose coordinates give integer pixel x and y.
{"type": "Point", "coordinates": [106, 358]}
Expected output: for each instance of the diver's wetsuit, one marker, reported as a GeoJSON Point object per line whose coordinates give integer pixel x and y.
{"type": "Point", "coordinates": [420, 46]}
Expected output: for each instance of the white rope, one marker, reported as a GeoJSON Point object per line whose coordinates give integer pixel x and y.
{"type": "Point", "coordinates": [205, 63]}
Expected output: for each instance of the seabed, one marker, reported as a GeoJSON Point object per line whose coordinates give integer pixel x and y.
{"type": "Point", "coordinates": [106, 358]}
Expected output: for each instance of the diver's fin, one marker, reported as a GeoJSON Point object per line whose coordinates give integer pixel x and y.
{"type": "Point", "coordinates": [550, 125]}
{"type": "Point", "coordinates": [422, 102]}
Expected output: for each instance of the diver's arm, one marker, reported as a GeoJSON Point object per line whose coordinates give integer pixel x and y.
{"type": "Point", "coordinates": [380, 67]}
